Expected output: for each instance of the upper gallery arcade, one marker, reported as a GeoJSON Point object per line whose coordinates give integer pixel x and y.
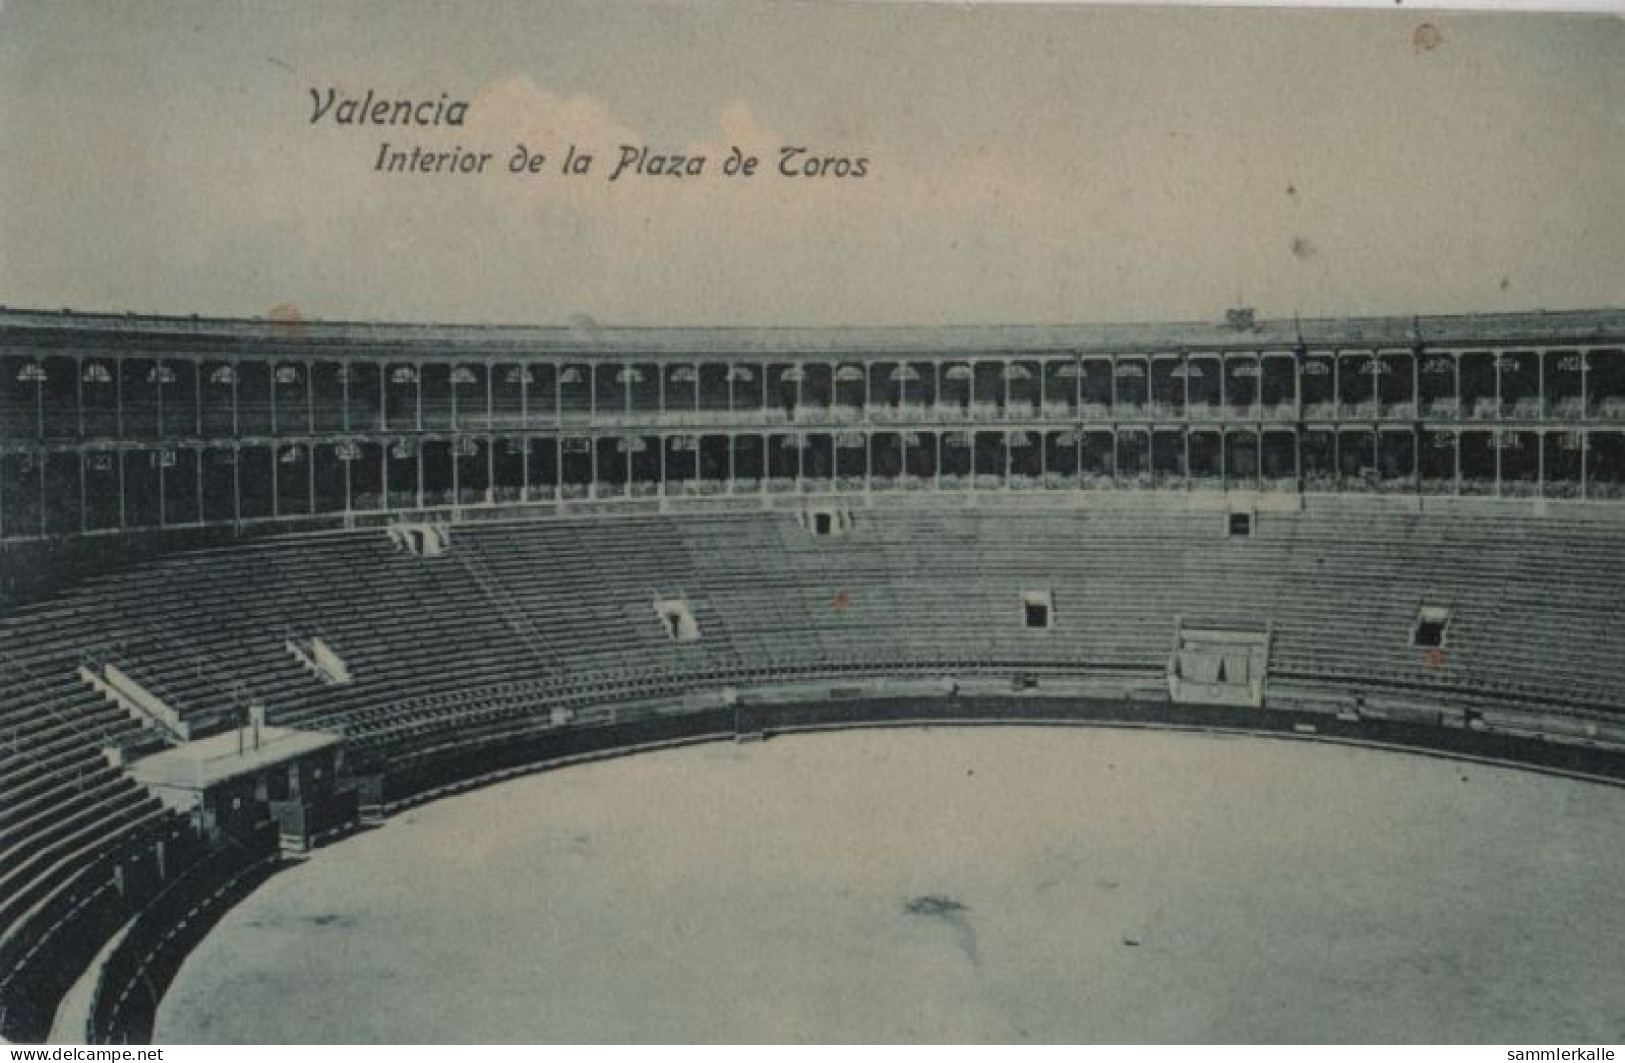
{"type": "Point", "coordinates": [116, 421]}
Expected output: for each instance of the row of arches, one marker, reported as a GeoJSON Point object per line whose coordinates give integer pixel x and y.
{"type": "Point", "coordinates": [71, 490]}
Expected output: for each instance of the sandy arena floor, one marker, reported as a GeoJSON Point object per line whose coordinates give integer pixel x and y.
{"type": "Point", "coordinates": [1006, 884]}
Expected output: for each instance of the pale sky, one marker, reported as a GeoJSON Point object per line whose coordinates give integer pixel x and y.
{"type": "Point", "coordinates": [1043, 165]}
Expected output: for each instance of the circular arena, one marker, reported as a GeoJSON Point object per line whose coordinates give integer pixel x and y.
{"type": "Point", "coordinates": [986, 684]}
{"type": "Point", "coordinates": [951, 885]}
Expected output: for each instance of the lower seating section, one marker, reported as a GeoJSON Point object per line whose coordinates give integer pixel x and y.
{"type": "Point", "coordinates": [80, 843]}
{"type": "Point", "coordinates": [525, 627]}
{"type": "Point", "coordinates": [137, 970]}
{"type": "Point", "coordinates": [49, 944]}
{"type": "Point", "coordinates": [517, 620]}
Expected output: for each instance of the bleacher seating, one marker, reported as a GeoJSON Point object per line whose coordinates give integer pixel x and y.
{"type": "Point", "coordinates": [525, 626]}
{"type": "Point", "coordinates": [564, 607]}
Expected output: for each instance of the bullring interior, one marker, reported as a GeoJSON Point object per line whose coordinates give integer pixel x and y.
{"type": "Point", "coordinates": [266, 581]}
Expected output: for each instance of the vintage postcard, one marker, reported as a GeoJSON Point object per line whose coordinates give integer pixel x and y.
{"type": "Point", "coordinates": [678, 522]}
